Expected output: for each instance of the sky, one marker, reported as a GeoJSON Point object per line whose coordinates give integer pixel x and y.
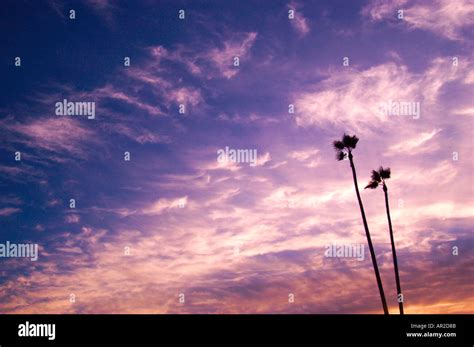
{"type": "Point", "coordinates": [161, 225]}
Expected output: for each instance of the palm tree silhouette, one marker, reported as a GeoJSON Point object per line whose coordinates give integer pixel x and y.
{"type": "Point", "coordinates": [344, 149]}
{"type": "Point", "coordinates": [379, 177]}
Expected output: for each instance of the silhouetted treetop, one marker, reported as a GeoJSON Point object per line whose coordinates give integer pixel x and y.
{"type": "Point", "coordinates": [347, 143]}
{"type": "Point", "coordinates": [378, 177]}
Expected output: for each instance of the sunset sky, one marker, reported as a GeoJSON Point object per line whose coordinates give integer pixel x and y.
{"type": "Point", "coordinates": [235, 238]}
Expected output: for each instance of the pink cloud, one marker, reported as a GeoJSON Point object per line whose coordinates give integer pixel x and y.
{"type": "Point", "coordinates": [59, 135]}
{"type": "Point", "coordinates": [110, 91]}
{"type": "Point", "coordinates": [299, 22]}
{"type": "Point", "coordinates": [72, 218]}
{"type": "Point", "coordinates": [185, 96]}
{"type": "Point", "coordinates": [8, 211]}
{"type": "Point", "coordinates": [446, 18]}
{"type": "Point", "coordinates": [419, 144]}
{"type": "Point", "coordinates": [355, 98]}
{"type": "Point", "coordinates": [222, 58]}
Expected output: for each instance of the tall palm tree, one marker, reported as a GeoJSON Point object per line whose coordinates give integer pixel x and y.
{"type": "Point", "coordinates": [377, 178]}
{"type": "Point", "coordinates": [344, 149]}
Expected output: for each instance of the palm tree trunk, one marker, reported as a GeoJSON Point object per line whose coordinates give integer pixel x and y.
{"type": "Point", "coordinates": [369, 240]}
{"type": "Point", "coordinates": [394, 253]}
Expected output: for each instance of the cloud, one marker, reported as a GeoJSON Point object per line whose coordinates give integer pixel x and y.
{"type": "Point", "coordinates": [419, 144]}
{"type": "Point", "coordinates": [264, 158]}
{"type": "Point", "coordinates": [446, 18]}
{"type": "Point", "coordinates": [72, 218]}
{"type": "Point", "coordinates": [179, 55]}
{"type": "Point", "coordinates": [8, 211]}
{"type": "Point", "coordinates": [185, 96]}
{"type": "Point", "coordinates": [208, 61]}
{"type": "Point", "coordinates": [111, 92]}
{"type": "Point", "coordinates": [204, 265]}
{"type": "Point", "coordinates": [104, 8]}
{"type": "Point", "coordinates": [59, 135]}
{"type": "Point", "coordinates": [21, 173]}
{"type": "Point", "coordinates": [299, 22]}
{"type": "Point", "coordinates": [468, 111]}
{"type": "Point", "coordinates": [442, 172]}
{"type": "Point", "coordinates": [353, 99]}
{"type": "Point", "coordinates": [163, 205]}
{"type": "Point", "coordinates": [223, 57]}
{"type": "Point", "coordinates": [166, 86]}
{"type": "Point", "coordinates": [137, 133]}
{"type": "Point", "coordinates": [307, 156]}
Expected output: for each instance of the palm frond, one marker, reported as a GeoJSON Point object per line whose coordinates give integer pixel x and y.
{"type": "Point", "coordinates": [340, 155]}
{"type": "Point", "coordinates": [350, 141]}
{"type": "Point", "coordinates": [384, 173]}
{"type": "Point", "coordinates": [375, 176]}
{"type": "Point", "coordinates": [338, 145]}
{"type": "Point", "coordinates": [372, 185]}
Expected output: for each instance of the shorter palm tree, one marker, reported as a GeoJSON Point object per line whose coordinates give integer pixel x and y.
{"type": "Point", "coordinates": [377, 178]}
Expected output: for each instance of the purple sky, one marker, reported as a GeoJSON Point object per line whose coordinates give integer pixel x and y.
{"type": "Point", "coordinates": [233, 237]}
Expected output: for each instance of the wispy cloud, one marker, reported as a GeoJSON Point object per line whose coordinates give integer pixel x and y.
{"type": "Point", "coordinates": [4, 212]}
{"type": "Point", "coordinates": [354, 98]}
{"type": "Point", "coordinates": [299, 22]}
{"type": "Point", "coordinates": [418, 144]}
{"type": "Point", "coordinates": [223, 57]}
{"type": "Point", "coordinates": [446, 18]}
{"type": "Point", "coordinates": [57, 135]}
